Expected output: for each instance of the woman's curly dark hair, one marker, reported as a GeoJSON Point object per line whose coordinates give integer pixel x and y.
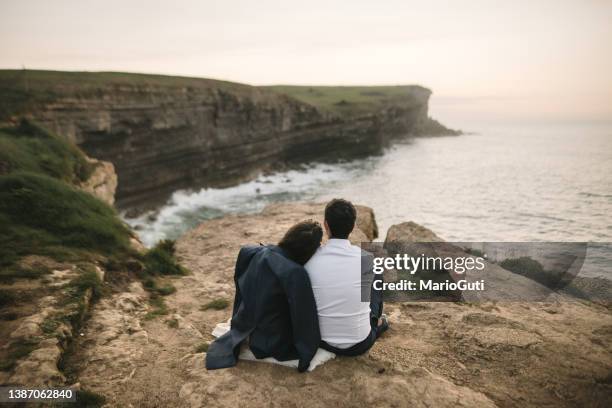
{"type": "Point", "coordinates": [302, 240]}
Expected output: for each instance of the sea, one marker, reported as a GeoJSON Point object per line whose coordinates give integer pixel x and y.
{"type": "Point", "coordinates": [503, 182]}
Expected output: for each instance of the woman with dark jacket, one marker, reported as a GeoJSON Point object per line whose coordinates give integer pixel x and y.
{"type": "Point", "coordinates": [274, 307]}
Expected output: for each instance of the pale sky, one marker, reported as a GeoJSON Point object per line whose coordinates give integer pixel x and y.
{"type": "Point", "coordinates": [527, 60]}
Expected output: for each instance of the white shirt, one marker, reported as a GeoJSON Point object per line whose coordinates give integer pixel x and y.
{"type": "Point", "coordinates": [335, 276]}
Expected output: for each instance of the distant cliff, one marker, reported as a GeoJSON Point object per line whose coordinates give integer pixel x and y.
{"type": "Point", "coordinates": [165, 133]}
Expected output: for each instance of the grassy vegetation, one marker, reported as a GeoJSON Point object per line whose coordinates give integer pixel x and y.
{"type": "Point", "coordinates": [22, 91]}
{"type": "Point", "coordinates": [350, 100]}
{"type": "Point", "coordinates": [15, 352]}
{"type": "Point", "coordinates": [216, 304]}
{"type": "Point", "coordinates": [160, 260]}
{"type": "Point", "coordinates": [7, 275]}
{"type": "Point", "coordinates": [201, 348]}
{"type": "Point", "coordinates": [73, 299]}
{"type": "Point", "coordinates": [7, 297]}
{"type": "Point", "coordinates": [17, 97]}
{"type": "Point", "coordinates": [50, 325]}
{"type": "Point", "coordinates": [173, 323]}
{"type": "Point", "coordinates": [43, 213]}
{"type": "Point", "coordinates": [87, 279]}
{"type": "Point", "coordinates": [165, 290]}
{"type": "Point", "coordinates": [159, 307]}
{"type": "Point", "coordinates": [153, 286]}
{"type": "Point", "coordinates": [44, 216]}
{"type": "Point", "coordinates": [29, 148]}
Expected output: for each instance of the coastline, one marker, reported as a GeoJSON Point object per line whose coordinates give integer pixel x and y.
{"type": "Point", "coordinates": [124, 315]}
{"type": "Point", "coordinates": [165, 133]}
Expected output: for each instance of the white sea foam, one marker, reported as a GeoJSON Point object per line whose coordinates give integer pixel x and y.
{"type": "Point", "coordinates": [186, 209]}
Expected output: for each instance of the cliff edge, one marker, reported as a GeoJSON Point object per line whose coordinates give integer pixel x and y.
{"type": "Point", "coordinates": [442, 354]}
{"type": "Point", "coordinates": [58, 228]}
{"type": "Point", "coordinates": [165, 133]}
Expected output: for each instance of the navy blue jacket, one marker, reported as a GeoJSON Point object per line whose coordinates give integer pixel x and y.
{"type": "Point", "coordinates": [274, 308]}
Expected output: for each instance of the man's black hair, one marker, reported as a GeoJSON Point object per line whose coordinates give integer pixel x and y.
{"type": "Point", "coordinates": [302, 240]}
{"type": "Point", "coordinates": [340, 216]}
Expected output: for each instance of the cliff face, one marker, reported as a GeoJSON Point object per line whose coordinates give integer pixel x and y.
{"type": "Point", "coordinates": [167, 133]}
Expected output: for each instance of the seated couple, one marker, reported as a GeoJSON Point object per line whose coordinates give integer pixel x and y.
{"type": "Point", "coordinates": [297, 296]}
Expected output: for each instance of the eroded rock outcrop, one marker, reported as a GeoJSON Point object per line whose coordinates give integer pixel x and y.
{"type": "Point", "coordinates": [103, 181]}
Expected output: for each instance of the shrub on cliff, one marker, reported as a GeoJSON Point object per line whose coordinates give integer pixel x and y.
{"type": "Point", "coordinates": [160, 260]}
{"type": "Point", "coordinates": [44, 216]}
{"type": "Point", "coordinates": [28, 147]}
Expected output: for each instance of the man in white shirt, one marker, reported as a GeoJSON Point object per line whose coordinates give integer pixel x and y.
{"type": "Point", "coordinates": [348, 325]}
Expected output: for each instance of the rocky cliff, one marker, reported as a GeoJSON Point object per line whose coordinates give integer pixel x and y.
{"type": "Point", "coordinates": [166, 133]}
{"type": "Point", "coordinates": [435, 354]}
{"type": "Point", "coordinates": [102, 182]}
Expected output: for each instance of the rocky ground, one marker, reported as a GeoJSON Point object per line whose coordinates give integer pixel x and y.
{"type": "Point", "coordinates": [43, 301]}
{"type": "Point", "coordinates": [555, 354]}
{"type": "Point", "coordinates": [36, 327]}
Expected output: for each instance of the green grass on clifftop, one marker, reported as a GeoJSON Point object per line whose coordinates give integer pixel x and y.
{"type": "Point", "coordinates": [44, 216]}
{"type": "Point", "coordinates": [29, 148]}
{"type": "Point", "coordinates": [41, 210]}
{"type": "Point", "coordinates": [353, 100]}
{"type": "Point", "coordinates": [22, 91]}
